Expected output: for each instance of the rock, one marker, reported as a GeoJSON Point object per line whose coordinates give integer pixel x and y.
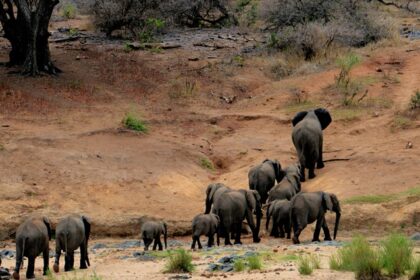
{"type": "Point", "coordinates": [143, 256]}
{"type": "Point", "coordinates": [4, 274]}
{"type": "Point", "coordinates": [415, 237]}
{"type": "Point", "coordinates": [183, 276]}
{"type": "Point", "coordinates": [128, 244]}
{"type": "Point", "coordinates": [409, 145]}
{"type": "Point", "coordinates": [99, 246]}
{"type": "Point", "coordinates": [194, 58]}
{"type": "Point", "coordinates": [7, 254]}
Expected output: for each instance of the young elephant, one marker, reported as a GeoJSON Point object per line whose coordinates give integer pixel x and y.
{"type": "Point", "coordinates": [263, 177]}
{"type": "Point", "coordinates": [151, 231]}
{"type": "Point", "coordinates": [72, 232]}
{"type": "Point", "coordinates": [307, 138]}
{"type": "Point", "coordinates": [307, 208]}
{"type": "Point", "coordinates": [279, 209]}
{"type": "Point", "coordinates": [235, 206]}
{"type": "Point", "coordinates": [288, 187]}
{"type": "Point", "coordinates": [205, 224]}
{"type": "Point", "coordinates": [32, 239]}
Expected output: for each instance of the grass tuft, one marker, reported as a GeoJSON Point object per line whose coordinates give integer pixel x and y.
{"type": "Point", "coordinates": [180, 261]}
{"type": "Point", "coordinates": [132, 122]}
{"type": "Point", "coordinates": [396, 254]}
{"type": "Point", "coordinates": [69, 11]}
{"type": "Point", "coordinates": [254, 262]}
{"type": "Point", "coordinates": [239, 265]}
{"type": "Point", "coordinates": [305, 265]}
{"type": "Point", "coordinates": [382, 198]}
{"type": "Point", "coordinates": [207, 164]}
{"type": "Point", "coordinates": [415, 101]}
{"type": "Point", "coordinates": [415, 271]}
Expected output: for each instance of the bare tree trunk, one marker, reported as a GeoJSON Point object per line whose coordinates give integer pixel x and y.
{"type": "Point", "coordinates": [27, 31]}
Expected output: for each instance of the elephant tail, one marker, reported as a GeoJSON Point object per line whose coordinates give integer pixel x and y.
{"type": "Point", "coordinates": [20, 254]}
{"type": "Point", "coordinates": [269, 212]}
{"type": "Point", "coordinates": [66, 236]}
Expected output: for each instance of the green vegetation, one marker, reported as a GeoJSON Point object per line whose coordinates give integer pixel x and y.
{"type": "Point", "coordinates": [293, 108]}
{"type": "Point", "coordinates": [238, 60]}
{"type": "Point", "coordinates": [69, 11]}
{"type": "Point", "coordinates": [382, 198]}
{"type": "Point", "coordinates": [415, 101]}
{"type": "Point", "coordinates": [347, 114]}
{"type": "Point", "coordinates": [239, 265]}
{"type": "Point", "coordinates": [396, 255]}
{"type": "Point", "coordinates": [206, 163]}
{"type": "Point", "coordinates": [350, 89]}
{"type": "Point", "coordinates": [304, 265]}
{"type": "Point", "coordinates": [401, 122]}
{"type": "Point", "coordinates": [415, 272]}
{"type": "Point", "coordinates": [132, 122]}
{"type": "Point", "coordinates": [127, 47]}
{"type": "Point", "coordinates": [94, 276]}
{"type": "Point", "coordinates": [359, 257]}
{"type": "Point", "coordinates": [183, 89]}
{"type": "Point", "coordinates": [150, 28]}
{"type": "Point", "coordinates": [179, 261]}
{"type": "Point", "coordinates": [254, 262]}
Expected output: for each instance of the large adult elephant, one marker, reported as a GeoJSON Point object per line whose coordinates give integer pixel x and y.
{"type": "Point", "coordinates": [72, 232]}
{"type": "Point", "coordinates": [264, 176]}
{"type": "Point", "coordinates": [232, 208]}
{"type": "Point", "coordinates": [32, 239]}
{"type": "Point", "coordinates": [307, 208]}
{"type": "Point", "coordinates": [213, 192]}
{"type": "Point", "coordinates": [289, 186]}
{"type": "Point", "coordinates": [308, 140]}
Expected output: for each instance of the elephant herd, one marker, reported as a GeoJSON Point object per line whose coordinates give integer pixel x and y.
{"type": "Point", "coordinates": [225, 208]}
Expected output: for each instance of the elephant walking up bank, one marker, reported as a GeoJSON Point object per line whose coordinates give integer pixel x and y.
{"type": "Point", "coordinates": [72, 232]}
{"type": "Point", "coordinates": [280, 211]}
{"type": "Point", "coordinates": [264, 176]}
{"type": "Point", "coordinates": [308, 139]}
{"type": "Point", "coordinates": [213, 192]}
{"type": "Point", "coordinates": [288, 187]}
{"type": "Point", "coordinates": [235, 206]}
{"type": "Point", "coordinates": [32, 239]}
{"type": "Point", "coordinates": [205, 224]}
{"type": "Point", "coordinates": [307, 208]}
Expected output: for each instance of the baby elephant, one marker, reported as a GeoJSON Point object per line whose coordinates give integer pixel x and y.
{"type": "Point", "coordinates": [32, 239]}
{"type": "Point", "coordinates": [205, 224]}
{"type": "Point", "coordinates": [151, 231]}
{"type": "Point", "coordinates": [71, 233]}
{"type": "Point", "coordinates": [279, 209]}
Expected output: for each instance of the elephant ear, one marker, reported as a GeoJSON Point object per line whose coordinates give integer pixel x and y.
{"type": "Point", "coordinates": [277, 170]}
{"type": "Point", "coordinates": [48, 225]}
{"type": "Point", "coordinates": [299, 116]}
{"type": "Point", "coordinates": [326, 199]}
{"type": "Point", "coordinates": [324, 117]}
{"type": "Point", "coordinates": [250, 199]}
{"type": "Point", "coordinates": [86, 222]}
{"type": "Point", "coordinates": [211, 190]}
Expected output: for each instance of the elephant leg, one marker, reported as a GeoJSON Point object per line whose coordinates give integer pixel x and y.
{"type": "Point", "coordinates": [288, 228]}
{"type": "Point", "coordinates": [72, 261]}
{"type": "Point", "coordinates": [199, 243]}
{"type": "Point", "coordinates": [238, 232]}
{"type": "Point", "coordinates": [69, 261]}
{"type": "Point", "coordinates": [327, 236]}
{"type": "Point", "coordinates": [154, 244]}
{"type": "Point", "coordinates": [56, 266]}
{"type": "Point", "coordinates": [297, 230]}
{"type": "Point", "coordinates": [147, 243]}
{"type": "Point", "coordinates": [193, 242]}
{"type": "Point", "coordinates": [319, 222]}
{"type": "Point", "coordinates": [159, 242]}
{"type": "Point", "coordinates": [320, 162]}
{"type": "Point", "coordinates": [218, 237]}
{"type": "Point", "coordinates": [227, 235]}
{"type": "Point", "coordinates": [210, 242]}
{"type": "Point", "coordinates": [311, 169]}
{"type": "Point", "coordinates": [31, 268]}
{"type": "Point", "coordinates": [302, 172]}
{"type": "Point", "coordinates": [46, 257]}
{"type": "Point", "coordinates": [83, 253]}
{"type": "Point", "coordinates": [275, 229]}
{"type": "Point", "coordinates": [282, 234]}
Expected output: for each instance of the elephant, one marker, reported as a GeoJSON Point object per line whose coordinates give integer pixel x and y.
{"type": "Point", "coordinates": [263, 177]}
{"type": "Point", "coordinates": [232, 208]}
{"type": "Point", "coordinates": [288, 187]}
{"type": "Point", "coordinates": [309, 207]}
{"type": "Point", "coordinates": [72, 232]}
{"type": "Point", "coordinates": [205, 224]}
{"type": "Point", "coordinates": [308, 140]}
{"type": "Point", "coordinates": [32, 239]}
{"type": "Point", "coordinates": [152, 230]}
{"type": "Point", "coordinates": [213, 192]}
{"type": "Point", "coordinates": [279, 209]}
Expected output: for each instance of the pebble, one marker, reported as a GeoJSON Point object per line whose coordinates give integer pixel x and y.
{"type": "Point", "coordinates": [415, 237]}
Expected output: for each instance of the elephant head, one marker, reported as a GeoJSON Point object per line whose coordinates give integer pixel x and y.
{"type": "Point", "coordinates": [48, 225]}
{"type": "Point", "coordinates": [253, 200]}
{"type": "Point", "coordinates": [322, 114]}
{"type": "Point", "coordinates": [165, 233]}
{"type": "Point", "coordinates": [277, 169]}
{"type": "Point", "coordinates": [293, 174]}
{"type": "Point", "coordinates": [331, 203]}
{"type": "Point", "coordinates": [210, 191]}
{"type": "Point", "coordinates": [86, 223]}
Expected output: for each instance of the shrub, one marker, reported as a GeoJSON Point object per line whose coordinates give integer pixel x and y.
{"type": "Point", "coordinates": [69, 11]}
{"type": "Point", "coordinates": [254, 262]}
{"type": "Point", "coordinates": [180, 261]}
{"type": "Point", "coordinates": [396, 255]}
{"type": "Point", "coordinates": [415, 273]}
{"type": "Point", "coordinates": [415, 101]}
{"type": "Point", "coordinates": [151, 27]}
{"type": "Point", "coordinates": [359, 257]}
{"type": "Point", "coordinates": [239, 265]}
{"type": "Point", "coordinates": [132, 122]}
{"type": "Point", "coordinates": [206, 163]}
{"type": "Point", "coordinates": [304, 265]}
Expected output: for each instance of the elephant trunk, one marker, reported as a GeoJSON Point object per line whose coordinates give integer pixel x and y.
{"type": "Point", "coordinates": [208, 206]}
{"type": "Point", "coordinates": [337, 222]}
{"type": "Point", "coordinates": [165, 236]}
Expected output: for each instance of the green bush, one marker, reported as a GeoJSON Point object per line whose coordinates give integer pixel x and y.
{"type": "Point", "coordinates": [132, 122]}
{"type": "Point", "coordinates": [305, 265]}
{"type": "Point", "coordinates": [69, 11]}
{"type": "Point", "coordinates": [239, 265]}
{"type": "Point", "coordinates": [415, 272]}
{"type": "Point", "coordinates": [179, 262]}
{"type": "Point", "coordinates": [396, 255]}
{"type": "Point", "coordinates": [151, 27]}
{"type": "Point", "coordinates": [254, 262]}
{"type": "Point", "coordinates": [359, 257]}
{"type": "Point", "coordinates": [415, 101]}
{"type": "Point", "coordinates": [206, 163]}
